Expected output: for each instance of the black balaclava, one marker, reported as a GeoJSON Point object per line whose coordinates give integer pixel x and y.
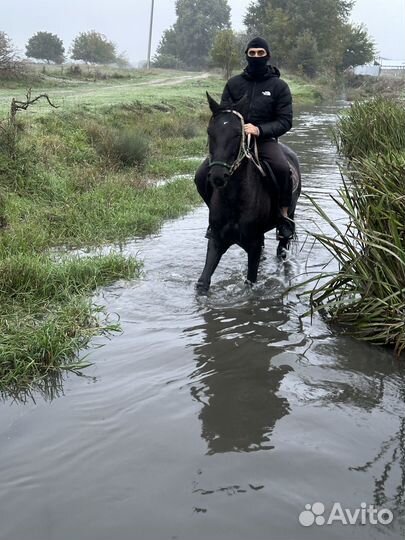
{"type": "Point", "coordinates": [257, 66]}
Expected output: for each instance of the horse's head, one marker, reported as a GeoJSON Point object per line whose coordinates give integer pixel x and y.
{"type": "Point", "coordinates": [225, 138]}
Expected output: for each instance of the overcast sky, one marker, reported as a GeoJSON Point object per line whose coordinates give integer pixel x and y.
{"type": "Point", "coordinates": [126, 22]}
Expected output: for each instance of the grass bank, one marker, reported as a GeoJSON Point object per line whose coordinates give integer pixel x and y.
{"type": "Point", "coordinates": [367, 295]}
{"type": "Point", "coordinates": [358, 87]}
{"type": "Point", "coordinates": [81, 178]}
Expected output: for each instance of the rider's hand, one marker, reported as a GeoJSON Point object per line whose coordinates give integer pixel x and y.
{"type": "Point", "coordinates": [250, 129]}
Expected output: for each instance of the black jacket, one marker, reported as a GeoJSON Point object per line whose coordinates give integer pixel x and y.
{"type": "Point", "coordinates": [269, 101]}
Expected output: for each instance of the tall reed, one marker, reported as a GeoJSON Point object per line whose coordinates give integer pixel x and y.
{"type": "Point", "coordinates": [367, 295]}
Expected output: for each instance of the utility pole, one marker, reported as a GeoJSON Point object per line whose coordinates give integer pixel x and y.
{"type": "Point", "coordinates": [150, 33]}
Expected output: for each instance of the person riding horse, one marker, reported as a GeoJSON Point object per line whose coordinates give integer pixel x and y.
{"type": "Point", "coordinates": [268, 116]}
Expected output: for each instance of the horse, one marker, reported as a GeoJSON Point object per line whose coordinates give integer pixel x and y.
{"type": "Point", "coordinates": [241, 197]}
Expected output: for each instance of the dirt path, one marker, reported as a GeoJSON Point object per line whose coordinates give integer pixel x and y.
{"type": "Point", "coordinates": [176, 80]}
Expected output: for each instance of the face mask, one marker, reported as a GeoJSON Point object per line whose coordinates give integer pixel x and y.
{"type": "Point", "coordinates": [257, 65]}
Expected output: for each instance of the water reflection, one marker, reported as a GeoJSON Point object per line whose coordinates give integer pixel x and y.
{"type": "Point", "coordinates": [236, 383]}
{"type": "Point", "coordinates": [387, 466]}
{"type": "Point", "coordinates": [47, 388]}
{"type": "Point", "coordinates": [371, 388]}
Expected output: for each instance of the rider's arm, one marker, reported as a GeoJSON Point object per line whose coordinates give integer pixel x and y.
{"type": "Point", "coordinates": [283, 115]}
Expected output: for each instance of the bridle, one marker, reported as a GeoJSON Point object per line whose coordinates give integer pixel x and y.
{"type": "Point", "coordinates": [244, 150]}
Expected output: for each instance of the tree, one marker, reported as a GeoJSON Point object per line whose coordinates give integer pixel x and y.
{"type": "Point", "coordinates": [191, 37]}
{"type": "Point", "coordinates": [274, 24]}
{"type": "Point", "coordinates": [359, 48]}
{"type": "Point", "coordinates": [305, 55]}
{"type": "Point", "coordinates": [45, 46]}
{"type": "Point", "coordinates": [168, 43]}
{"type": "Point", "coordinates": [122, 61]}
{"type": "Point", "coordinates": [94, 48]}
{"type": "Point", "coordinates": [8, 56]}
{"type": "Point", "coordinates": [225, 52]}
{"type": "Point", "coordinates": [286, 22]}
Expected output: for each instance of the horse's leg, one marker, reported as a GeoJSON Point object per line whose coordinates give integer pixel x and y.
{"type": "Point", "coordinates": [214, 254]}
{"type": "Point", "coordinates": [282, 248]}
{"type": "Point", "coordinates": [262, 252]}
{"type": "Point", "coordinates": [254, 251]}
{"type": "Point", "coordinates": [284, 244]}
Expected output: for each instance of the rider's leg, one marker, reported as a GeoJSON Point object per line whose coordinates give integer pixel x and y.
{"type": "Point", "coordinates": [271, 151]}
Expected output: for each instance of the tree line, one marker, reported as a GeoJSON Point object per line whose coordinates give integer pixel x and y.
{"type": "Point", "coordinates": [311, 36]}
{"type": "Point", "coordinates": [90, 47]}
{"type": "Point", "coordinates": [308, 36]}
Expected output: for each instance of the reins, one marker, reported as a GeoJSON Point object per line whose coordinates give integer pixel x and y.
{"type": "Point", "coordinates": [244, 150]}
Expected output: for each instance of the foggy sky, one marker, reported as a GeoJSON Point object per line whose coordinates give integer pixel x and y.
{"type": "Point", "coordinates": [126, 22]}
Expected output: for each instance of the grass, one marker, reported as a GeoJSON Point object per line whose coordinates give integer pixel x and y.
{"type": "Point", "coordinates": [170, 89]}
{"type": "Point", "coordinates": [66, 190]}
{"type": "Point", "coordinates": [47, 315]}
{"type": "Point", "coordinates": [157, 87]}
{"type": "Point", "coordinates": [374, 128]}
{"type": "Point", "coordinates": [367, 296]}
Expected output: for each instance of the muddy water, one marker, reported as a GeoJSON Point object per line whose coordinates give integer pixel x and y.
{"type": "Point", "coordinates": [217, 418]}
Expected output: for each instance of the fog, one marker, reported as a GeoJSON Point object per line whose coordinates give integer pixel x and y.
{"type": "Point", "coordinates": [126, 22]}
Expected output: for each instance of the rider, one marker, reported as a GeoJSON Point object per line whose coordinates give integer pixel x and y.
{"type": "Point", "coordinates": [269, 116]}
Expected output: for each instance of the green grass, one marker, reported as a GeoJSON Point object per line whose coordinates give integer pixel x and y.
{"type": "Point", "coordinates": [63, 190]}
{"type": "Point", "coordinates": [163, 87]}
{"type": "Point", "coordinates": [47, 316]}
{"type": "Point", "coordinates": [372, 128]}
{"type": "Point", "coordinates": [176, 88]}
{"type": "Point", "coordinates": [367, 295]}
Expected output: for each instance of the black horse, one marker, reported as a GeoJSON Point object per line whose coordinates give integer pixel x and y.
{"type": "Point", "coordinates": [242, 199]}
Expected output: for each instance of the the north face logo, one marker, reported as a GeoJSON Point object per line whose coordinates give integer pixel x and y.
{"type": "Point", "coordinates": [266, 93]}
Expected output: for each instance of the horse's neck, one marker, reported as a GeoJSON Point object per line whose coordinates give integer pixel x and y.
{"type": "Point", "coordinates": [245, 181]}
{"type": "Point", "coordinates": [241, 187]}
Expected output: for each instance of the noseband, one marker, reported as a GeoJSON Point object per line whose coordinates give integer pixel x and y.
{"type": "Point", "coordinates": [244, 150]}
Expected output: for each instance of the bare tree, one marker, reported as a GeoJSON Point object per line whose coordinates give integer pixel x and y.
{"type": "Point", "coordinates": [9, 127]}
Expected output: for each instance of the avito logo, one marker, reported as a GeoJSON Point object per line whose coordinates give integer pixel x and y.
{"type": "Point", "coordinates": [365, 514]}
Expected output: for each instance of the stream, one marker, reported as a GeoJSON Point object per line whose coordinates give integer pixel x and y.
{"type": "Point", "coordinates": [219, 417]}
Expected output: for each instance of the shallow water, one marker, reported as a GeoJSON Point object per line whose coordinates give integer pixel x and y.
{"type": "Point", "coordinates": [213, 418]}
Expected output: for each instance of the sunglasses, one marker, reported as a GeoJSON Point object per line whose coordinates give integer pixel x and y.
{"type": "Point", "coordinates": [260, 53]}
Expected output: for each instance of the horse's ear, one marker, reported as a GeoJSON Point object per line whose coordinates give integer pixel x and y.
{"type": "Point", "coordinates": [214, 106]}
{"type": "Point", "coordinates": [241, 105]}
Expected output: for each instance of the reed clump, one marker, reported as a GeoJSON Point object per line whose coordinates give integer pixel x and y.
{"type": "Point", "coordinates": [367, 295]}
{"type": "Point", "coordinates": [47, 315]}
